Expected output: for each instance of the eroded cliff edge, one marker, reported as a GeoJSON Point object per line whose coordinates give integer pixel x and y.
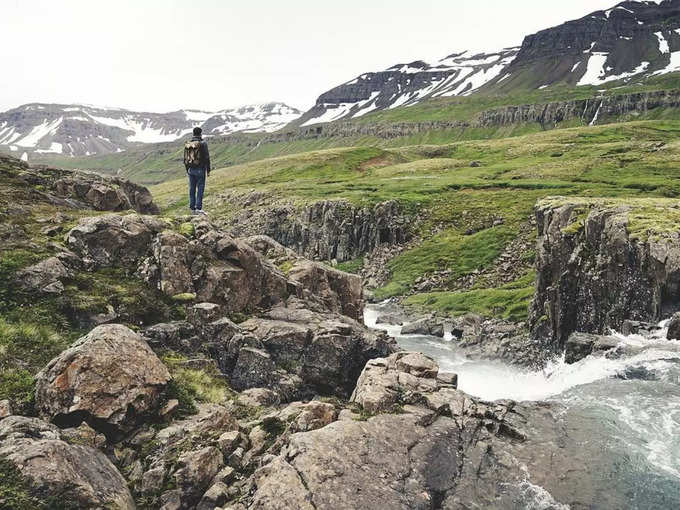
{"type": "Point", "coordinates": [601, 262]}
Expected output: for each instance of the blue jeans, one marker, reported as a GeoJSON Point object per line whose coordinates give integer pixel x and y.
{"type": "Point", "coordinates": [196, 188]}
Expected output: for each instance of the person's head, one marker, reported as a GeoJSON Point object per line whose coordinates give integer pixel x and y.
{"type": "Point", "coordinates": [198, 131]}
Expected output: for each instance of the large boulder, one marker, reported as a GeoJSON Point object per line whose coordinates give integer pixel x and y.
{"type": "Point", "coordinates": [114, 240]}
{"type": "Point", "coordinates": [326, 351]}
{"type": "Point", "coordinates": [45, 277]}
{"type": "Point", "coordinates": [195, 470]}
{"type": "Point", "coordinates": [582, 345]}
{"type": "Point", "coordinates": [674, 327]}
{"type": "Point", "coordinates": [104, 193]}
{"type": "Point", "coordinates": [215, 268]}
{"type": "Point", "coordinates": [340, 292]}
{"type": "Point", "coordinates": [59, 472]}
{"type": "Point", "coordinates": [426, 326]}
{"type": "Point", "coordinates": [109, 378]}
{"type": "Point", "coordinates": [402, 378]}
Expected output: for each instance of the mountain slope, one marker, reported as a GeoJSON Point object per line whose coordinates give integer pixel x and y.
{"type": "Point", "coordinates": [83, 130]}
{"type": "Point", "coordinates": [408, 84]}
{"type": "Point", "coordinates": [632, 41]}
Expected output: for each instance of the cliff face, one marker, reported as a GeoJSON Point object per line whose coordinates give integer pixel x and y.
{"type": "Point", "coordinates": [597, 110]}
{"type": "Point", "coordinates": [598, 265]}
{"type": "Point", "coordinates": [326, 230]}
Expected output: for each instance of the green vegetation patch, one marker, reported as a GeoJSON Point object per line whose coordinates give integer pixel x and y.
{"type": "Point", "coordinates": [25, 347]}
{"type": "Point", "coordinates": [510, 302]}
{"type": "Point", "coordinates": [451, 251]}
{"type": "Point", "coordinates": [646, 218]}
{"type": "Point", "coordinates": [192, 385]}
{"type": "Point", "coordinates": [351, 266]}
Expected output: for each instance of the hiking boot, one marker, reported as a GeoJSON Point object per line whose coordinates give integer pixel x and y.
{"type": "Point", "coordinates": [201, 212]}
{"type": "Point", "coordinates": [194, 212]}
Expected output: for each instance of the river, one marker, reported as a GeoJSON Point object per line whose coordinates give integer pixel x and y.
{"type": "Point", "coordinates": [633, 400]}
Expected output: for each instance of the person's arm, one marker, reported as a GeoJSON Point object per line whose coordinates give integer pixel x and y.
{"type": "Point", "coordinates": [206, 155]}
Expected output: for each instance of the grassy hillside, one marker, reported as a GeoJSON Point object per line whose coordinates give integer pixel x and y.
{"type": "Point", "coordinates": [469, 215]}
{"type": "Point", "coordinates": [152, 164]}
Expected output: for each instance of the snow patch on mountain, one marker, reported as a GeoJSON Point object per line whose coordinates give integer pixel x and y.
{"type": "Point", "coordinates": [663, 43]}
{"type": "Point", "coordinates": [595, 70]}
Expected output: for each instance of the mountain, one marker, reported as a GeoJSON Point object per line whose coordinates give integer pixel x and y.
{"type": "Point", "coordinates": [408, 84]}
{"type": "Point", "coordinates": [631, 41]}
{"type": "Point", "coordinates": [84, 130]}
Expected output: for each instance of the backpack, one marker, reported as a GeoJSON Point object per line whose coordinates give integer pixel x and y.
{"type": "Point", "coordinates": [193, 155]}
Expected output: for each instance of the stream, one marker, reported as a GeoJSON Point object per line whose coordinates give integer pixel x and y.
{"type": "Point", "coordinates": [630, 404]}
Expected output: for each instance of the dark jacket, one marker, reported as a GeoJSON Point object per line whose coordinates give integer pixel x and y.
{"type": "Point", "coordinates": [205, 154]}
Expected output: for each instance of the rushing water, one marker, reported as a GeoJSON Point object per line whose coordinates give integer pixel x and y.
{"type": "Point", "coordinates": [634, 400]}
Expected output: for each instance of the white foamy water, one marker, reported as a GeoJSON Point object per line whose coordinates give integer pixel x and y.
{"type": "Point", "coordinates": [640, 386]}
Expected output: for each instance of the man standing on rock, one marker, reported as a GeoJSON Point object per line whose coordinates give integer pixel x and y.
{"type": "Point", "coordinates": [197, 164]}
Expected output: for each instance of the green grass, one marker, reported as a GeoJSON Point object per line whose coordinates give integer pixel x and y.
{"type": "Point", "coordinates": [15, 489]}
{"type": "Point", "coordinates": [451, 251]}
{"type": "Point", "coordinates": [510, 301]}
{"type": "Point", "coordinates": [25, 347]}
{"type": "Point", "coordinates": [194, 384]}
{"type": "Point", "coordinates": [351, 266]}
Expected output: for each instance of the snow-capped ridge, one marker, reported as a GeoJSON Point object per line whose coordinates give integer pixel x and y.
{"type": "Point", "coordinates": [85, 130]}
{"type": "Point", "coordinates": [406, 84]}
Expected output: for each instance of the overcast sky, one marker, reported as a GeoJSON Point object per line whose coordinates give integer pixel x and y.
{"type": "Point", "coordinates": [163, 55]}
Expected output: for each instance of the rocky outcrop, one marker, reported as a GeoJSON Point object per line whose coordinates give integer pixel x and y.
{"type": "Point", "coordinates": [60, 474]}
{"type": "Point", "coordinates": [443, 450]}
{"type": "Point", "coordinates": [210, 265]}
{"type": "Point", "coordinates": [594, 274]}
{"type": "Point", "coordinates": [325, 230]}
{"type": "Point", "coordinates": [426, 326]}
{"type": "Point", "coordinates": [403, 378]}
{"type": "Point", "coordinates": [83, 190]}
{"type": "Point", "coordinates": [337, 291]}
{"type": "Point", "coordinates": [582, 345]}
{"type": "Point", "coordinates": [183, 460]}
{"type": "Point", "coordinates": [110, 378]}
{"type": "Point", "coordinates": [299, 351]}
{"type": "Point", "coordinates": [106, 194]}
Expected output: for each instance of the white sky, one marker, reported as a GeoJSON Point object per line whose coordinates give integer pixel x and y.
{"type": "Point", "coordinates": [163, 55]}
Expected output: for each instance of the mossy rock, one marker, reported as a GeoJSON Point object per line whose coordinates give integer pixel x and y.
{"type": "Point", "coordinates": [187, 229]}
{"type": "Point", "coordinates": [186, 297]}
